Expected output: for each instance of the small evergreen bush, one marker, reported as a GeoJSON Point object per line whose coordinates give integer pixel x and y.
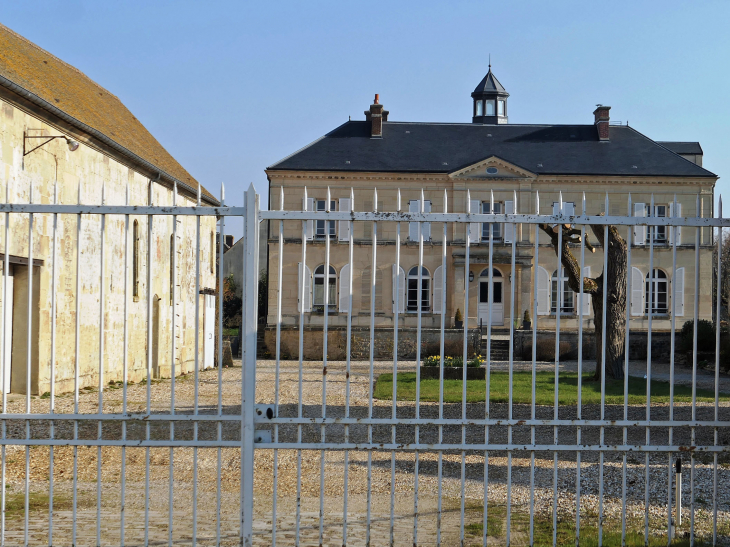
{"type": "Point", "coordinates": [705, 335]}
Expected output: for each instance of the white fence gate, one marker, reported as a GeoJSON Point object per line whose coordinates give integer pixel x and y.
{"type": "Point", "coordinates": [290, 451]}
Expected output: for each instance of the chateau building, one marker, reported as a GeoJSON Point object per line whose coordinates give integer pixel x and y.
{"type": "Point", "coordinates": [512, 162]}
{"type": "Point", "coordinates": [65, 139]}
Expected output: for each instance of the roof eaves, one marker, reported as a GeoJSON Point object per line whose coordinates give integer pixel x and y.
{"type": "Point", "coordinates": [111, 143]}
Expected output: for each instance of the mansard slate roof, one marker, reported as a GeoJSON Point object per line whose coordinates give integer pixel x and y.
{"type": "Point", "coordinates": [446, 148]}
{"type": "Point", "coordinates": [58, 85]}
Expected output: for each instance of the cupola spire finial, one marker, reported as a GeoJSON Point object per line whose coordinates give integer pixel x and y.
{"type": "Point", "coordinates": [490, 61]}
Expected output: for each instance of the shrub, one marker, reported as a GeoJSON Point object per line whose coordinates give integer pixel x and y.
{"type": "Point", "coordinates": [458, 316]}
{"type": "Point", "coordinates": [526, 317]}
{"type": "Point", "coordinates": [546, 350]}
{"type": "Point", "coordinates": [705, 335]}
{"type": "Point", "coordinates": [435, 361]}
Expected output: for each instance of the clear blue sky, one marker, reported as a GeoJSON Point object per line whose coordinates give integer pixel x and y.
{"type": "Point", "coordinates": [231, 87]}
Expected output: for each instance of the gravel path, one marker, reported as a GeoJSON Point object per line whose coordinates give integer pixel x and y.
{"type": "Point", "coordinates": [473, 493]}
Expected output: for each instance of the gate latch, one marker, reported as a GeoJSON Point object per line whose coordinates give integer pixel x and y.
{"type": "Point", "coordinates": [264, 412]}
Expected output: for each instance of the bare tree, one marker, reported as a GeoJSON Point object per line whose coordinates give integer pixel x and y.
{"type": "Point", "coordinates": [615, 286]}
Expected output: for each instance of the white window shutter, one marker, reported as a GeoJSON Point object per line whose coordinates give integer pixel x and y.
{"type": "Point", "coordinates": [413, 207]}
{"type": "Point", "coordinates": [426, 226]}
{"type": "Point", "coordinates": [543, 291]}
{"type": "Point", "coordinates": [475, 228]}
{"type": "Point", "coordinates": [586, 297]}
{"type": "Point", "coordinates": [343, 230]}
{"type": "Point", "coordinates": [556, 208]}
{"type": "Point", "coordinates": [309, 206]}
{"type": "Point", "coordinates": [438, 292]}
{"type": "Point", "coordinates": [509, 229]}
{"type": "Point", "coordinates": [640, 231]}
{"type": "Point", "coordinates": [569, 209]}
{"type": "Point", "coordinates": [307, 289]}
{"type": "Point", "coordinates": [345, 288]}
{"type": "Point", "coordinates": [401, 290]}
{"type": "Point", "coordinates": [678, 292]}
{"type": "Point", "coordinates": [675, 214]}
{"type": "Point", "coordinates": [637, 292]}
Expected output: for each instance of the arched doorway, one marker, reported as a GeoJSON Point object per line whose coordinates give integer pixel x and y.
{"type": "Point", "coordinates": [497, 305]}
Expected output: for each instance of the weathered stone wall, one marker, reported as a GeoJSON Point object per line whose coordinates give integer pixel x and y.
{"type": "Point", "coordinates": [53, 168]}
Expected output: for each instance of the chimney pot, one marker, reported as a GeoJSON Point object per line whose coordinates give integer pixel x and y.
{"type": "Point", "coordinates": [601, 121]}
{"type": "Point", "coordinates": [376, 116]}
{"type": "Point", "coordinates": [377, 98]}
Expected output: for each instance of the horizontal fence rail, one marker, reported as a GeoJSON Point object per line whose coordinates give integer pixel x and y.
{"type": "Point", "coordinates": [151, 430]}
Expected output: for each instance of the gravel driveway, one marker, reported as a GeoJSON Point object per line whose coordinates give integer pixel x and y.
{"type": "Point", "coordinates": [403, 488]}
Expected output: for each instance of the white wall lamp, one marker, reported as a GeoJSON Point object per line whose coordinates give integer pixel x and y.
{"type": "Point", "coordinates": [72, 144]}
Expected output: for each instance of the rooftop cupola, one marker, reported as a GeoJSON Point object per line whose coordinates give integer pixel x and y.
{"type": "Point", "coordinates": [490, 101]}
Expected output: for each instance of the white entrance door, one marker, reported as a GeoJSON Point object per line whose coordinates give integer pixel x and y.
{"type": "Point", "coordinates": [497, 306]}
{"type": "Point", "coordinates": [209, 331]}
{"type": "Point", "coordinates": [8, 326]}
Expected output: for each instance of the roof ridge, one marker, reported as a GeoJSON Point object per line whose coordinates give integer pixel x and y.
{"type": "Point", "coordinates": [46, 52]}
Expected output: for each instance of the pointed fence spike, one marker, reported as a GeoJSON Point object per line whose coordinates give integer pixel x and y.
{"type": "Point", "coordinates": [375, 199]}
{"type": "Point", "coordinates": [352, 199]}
{"type": "Point", "coordinates": [398, 201]}
{"type": "Point", "coordinates": [468, 201]}
{"type": "Point", "coordinates": [446, 200]}
{"type": "Point", "coordinates": [199, 194]}
{"type": "Point", "coordinates": [223, 192]}
{"type": "Point", "coordinates": [583, 204]}
{"type": "Point", "coordinates": [537, 202]}
{"type": "Point", "coordinates": [491, 201]}
{"type": "Point", "coordinates": [719, 209]}
{"type": "Point", "coordinates": [281, 198]}
{"type": "Point", "coordinates": [423, 202]}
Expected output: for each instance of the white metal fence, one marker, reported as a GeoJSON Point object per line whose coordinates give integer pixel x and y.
{"type": "Point", "coordinates": [391, 469]}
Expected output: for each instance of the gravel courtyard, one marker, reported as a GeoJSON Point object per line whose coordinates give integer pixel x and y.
{"type": "Point", "coordinates": [359, 389]}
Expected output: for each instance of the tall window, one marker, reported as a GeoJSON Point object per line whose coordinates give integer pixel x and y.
{"type": "Point", "coordinates": [321, 230]}
{"type": "Point", "coordinates": [500, 108]}
{"type": "Point", "coordinates": [656, 289]}
{"type": "Point", "coordinates": [480, 108]}
{"type": "Point", "coordinates": [172, 267]}
{"type": "Point", "coordinates": [489, 107]}
{"type": "Point", "coordinates": [413, 292]}
{"type": "Point", "coordinates": [659, 233]}
{"type": "Point", "coordinates": [318, 295]}
{"type": "Point", "coordinates": [135, 259]}
{"type": "Point", "coordinates": [562, 293]}
{"type": "Point", "coordinates": [496, 227]}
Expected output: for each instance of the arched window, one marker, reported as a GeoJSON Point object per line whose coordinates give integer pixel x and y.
{"type": "Point", "coordinates": [656, 289]}
{"type": "Point", "coordinates": [318, 296]}
{"type": "Point", "coordinates": [489, 104]}
{"type": "Point", "coordinates": [480, 108]}
{"type": "Point", "coordinates": [412, 296]}
{"type": "Point", "coordinates": [135, 259]}
{"type": "Point", "coordinates": [562, 293]}
{"type": "Point", "coordinates": [172, 267]}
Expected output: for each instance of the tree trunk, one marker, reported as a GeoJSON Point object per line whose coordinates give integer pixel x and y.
{"type": "Point", "coordinates": [615, 306]}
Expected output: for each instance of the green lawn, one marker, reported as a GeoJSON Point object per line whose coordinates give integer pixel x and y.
{"type": "Point", "coordinates": [544, 389]}
{"type": "Point", "coordinates": [565, 533]}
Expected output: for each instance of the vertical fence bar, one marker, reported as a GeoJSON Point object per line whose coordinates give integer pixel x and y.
{"type": "Point", "coordinates": [603, 376]}
{"type": "Point", "coordinates": [394, 413]}
{"type": "Point", "coordinates": [558, 311]}
{"type": "Point", "coordinates": [53, 362]}
{"type": "Point", "coordinates": [578, 434]}
{"type": "Point", "coordinates": [279, 288]}
{"type": "Point", "coordinates": [698, 232]}
{"type": "Point", "coordinates": [465, 358]}
{"type": "Point", "coordinates": [101, 371]}
{"type": "Point", "coordinates": [248, 363]}
{"type": "Point", "coordinates": [125, 372]}
{"type": "Point", "coordinates": [439, 509]}
{"type": "Point", "coordinates": [302, 307]}
{"type": "Point", "coordinates": [324, 363]}
{"type": "Point", "coordinates": [28, 365]}
{"type": "Point", "coordinates": [718, 326]}
{"type": "Point", "coordinates": [513, 282]}
{"type": "Point", "coordinates": [197, 361]}
{"type": "Point", "coordinates": [173, 368]}
{"type": "Point", "coordinates": [671, 379]}
{"type": "Point", "coordinates": [536, 265]}
{"type": "Point", "coordinates": [77, 365]}
{"type": "Point", "coordinates": [221, 250]}
{"type": "Point", "coordinates": [5, 364]}
{"type": "Point", "coordinates": [653, 231]}
{"type": "Point", "coordinates": [150, 221]}
{"type": "Point", "coordinates": [371, 377]}
{"type": "Point", "coordinates": [419, 296]}
{"type": "Point", "coordinates": [351, 264]}
{"type": "Point", "coordinates": [490, 300]}
{"type": "Point", "coordinates": [629, 234]}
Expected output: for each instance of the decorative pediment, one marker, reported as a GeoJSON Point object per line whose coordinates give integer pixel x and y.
{"type": "Point", "coordinates": [492, 168]}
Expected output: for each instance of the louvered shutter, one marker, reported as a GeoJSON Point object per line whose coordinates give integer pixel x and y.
{"type": "Point", "coordinates": [639, 231]}
{"type": "Point", "coordinates": [678, 292]}
{"type": "Point", "coordinates": [509, 229]}
{"type": "Point", "coordinates": [309, 206]}
{"type": "Point", "coordinates": [586, 297]}
{"type": "Point", "coordinates": [345, 288]}
{"type": "Point", "coordinates": [426, 226]}
{"type": "Point", "coordinates": [413, 207]}
{"type": "Point", "coordinates": [543, 291]}
{"type": "Point", "coordinates": [401, 297]}
{"type": "Point", "coordinates": [637, 292]}
{"type": "Point", "coordinates": [343, 230]}
{"type": "Point", "coordinates": [671, 229]}
{"type": "Point", "coordinates": [438, 289]}
{"type": "Point", "coordinates": [475, 228]}
{"type": "Point", "coordinates": [307, 281]}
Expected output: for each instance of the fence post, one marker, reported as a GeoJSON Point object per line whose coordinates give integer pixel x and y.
{"type": "Point", "coordinates": [248, 359]}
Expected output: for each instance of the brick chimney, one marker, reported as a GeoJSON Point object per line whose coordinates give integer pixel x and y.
{"type": "Point", "coordinates": [376, 116]}
{"type": "Point", "coordinates": [601, 121]}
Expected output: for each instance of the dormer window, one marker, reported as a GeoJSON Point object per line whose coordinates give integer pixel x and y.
{"type": "Point", "coordinates": [480, 108]}
{"type": "Point", "coordinates": [490, 107]}
{"type": "Point", "coordinates": [500, 108]}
